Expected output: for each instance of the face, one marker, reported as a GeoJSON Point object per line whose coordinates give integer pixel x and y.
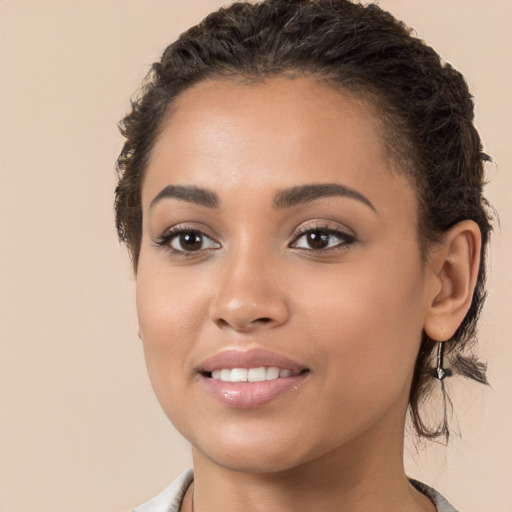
{"type": "Point", "coordinates": [280, 291]}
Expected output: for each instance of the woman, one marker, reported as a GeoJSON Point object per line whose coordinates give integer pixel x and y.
{"type": "Point", "coordinates": [301, 194]}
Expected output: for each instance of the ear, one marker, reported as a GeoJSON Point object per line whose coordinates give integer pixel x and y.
{"type": "Point", "coordinates": [453, 273]}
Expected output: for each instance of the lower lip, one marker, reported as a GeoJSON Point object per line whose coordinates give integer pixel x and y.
{"type": "Point", "coordinates": [250, 395]}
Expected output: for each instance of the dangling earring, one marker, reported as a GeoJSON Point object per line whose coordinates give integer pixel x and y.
{"type": "Point", "coordinates": [440, 371]}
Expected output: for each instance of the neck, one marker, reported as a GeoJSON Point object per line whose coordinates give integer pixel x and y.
{"type": "Point", "coordinates": [359, 477]}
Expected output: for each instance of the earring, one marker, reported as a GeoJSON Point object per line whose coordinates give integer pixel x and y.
{"type": "Point", "coordinates": [440, 371]}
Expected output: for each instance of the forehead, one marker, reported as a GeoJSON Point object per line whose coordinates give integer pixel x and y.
{"type": "Point", "coordinates": [276, 132]}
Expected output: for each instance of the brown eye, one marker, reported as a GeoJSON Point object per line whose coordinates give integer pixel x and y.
{"type": "Point", "coordinates": [318, 239]}
{"type": "Point", "coordinates": [191, 241]}
{"type": "Point", "coordinates": [322, 239]}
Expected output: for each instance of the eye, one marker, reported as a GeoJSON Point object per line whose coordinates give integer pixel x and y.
{"type": "Point", "coordinates": [321, 239]}
{"type": "Point", "coordinates": [186, 240]}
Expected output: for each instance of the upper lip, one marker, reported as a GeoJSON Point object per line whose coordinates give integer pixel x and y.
{"type": "Point", "coordinates": [255, 358]}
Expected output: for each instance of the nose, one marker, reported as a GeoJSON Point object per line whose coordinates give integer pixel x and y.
{"type": "Point", "coordinates": [249, 296]}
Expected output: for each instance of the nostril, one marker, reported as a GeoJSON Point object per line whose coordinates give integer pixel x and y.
{"type": "Point", "coordinates": [245, 325]}
{"type": "Point", "coordinates": [248, 315]}
{"type": "Point", "coordinates": [264, 320]}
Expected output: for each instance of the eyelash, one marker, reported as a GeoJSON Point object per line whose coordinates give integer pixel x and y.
{"type": "Point", "coordinates": [173, 233]}
{"type": "Point", "coordinates": [344, 239]}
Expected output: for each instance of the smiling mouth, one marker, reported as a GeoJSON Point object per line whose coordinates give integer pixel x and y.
{"type": "Point", "coordinates": [259, 374]}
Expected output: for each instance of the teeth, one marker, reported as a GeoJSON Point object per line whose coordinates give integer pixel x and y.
{"type": "Point", "coordinates": [256, 374]}
{"type": "Point", "coordinates": [239, 375]}
{"type": "Point", "coordinates": [250, 375]}
{"type": "Point", "coordinates": [272, 373]}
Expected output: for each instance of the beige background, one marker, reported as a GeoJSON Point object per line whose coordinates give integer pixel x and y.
{"type": "Point", "coordinates": [80, 429]}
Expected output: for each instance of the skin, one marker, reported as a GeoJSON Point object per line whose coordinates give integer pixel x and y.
{"type": "Point", "coordinates": [353, 313]}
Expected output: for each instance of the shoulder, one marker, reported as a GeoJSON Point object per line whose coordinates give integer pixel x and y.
{"type": "Point", "coordinates": [436, 497]}
{"type": "Point", "coordinates": [169, 500]}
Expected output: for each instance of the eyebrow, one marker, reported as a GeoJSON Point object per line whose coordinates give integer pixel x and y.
{"type": "Point", "coordinates": [306, 193]}
{"type": "Point", "coordinates": [188, 193]}
{"type": "Point", "coordinates": [283, 199]}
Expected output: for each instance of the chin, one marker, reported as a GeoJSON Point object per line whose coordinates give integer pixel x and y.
{"type": "Point", "coordinates": [258, 450]}
{"type": "Point", "coordinates": [258, 461]}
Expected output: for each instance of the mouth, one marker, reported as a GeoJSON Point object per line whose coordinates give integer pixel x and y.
{"type": "Point", "coordinates": [250, 379]}
{"type": "Point", "coordinates": [259, 374]}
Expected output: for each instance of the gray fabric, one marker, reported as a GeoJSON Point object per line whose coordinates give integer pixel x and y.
{"type": "Point", "coordinates": [170, 499]}
{"type": "Point", "coordinates": [439, 500]}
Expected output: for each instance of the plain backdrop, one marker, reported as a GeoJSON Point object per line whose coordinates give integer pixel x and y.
{"type": "Point", "coordinates": [80, 430]}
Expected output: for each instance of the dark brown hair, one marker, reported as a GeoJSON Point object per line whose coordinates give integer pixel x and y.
{"type": "Point", "coordinates": [424, 103]}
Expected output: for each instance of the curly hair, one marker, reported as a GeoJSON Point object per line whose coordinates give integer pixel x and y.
{"type": "Point", "coordinates": [425, 103]}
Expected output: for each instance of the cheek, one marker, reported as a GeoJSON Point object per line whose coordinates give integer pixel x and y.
{"type": "Point", "coordinates": [169, 304]}
{"type": "Point", "coordinates": [370, 328]}
{"type": "Point", "coordinates": [171, 308]}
